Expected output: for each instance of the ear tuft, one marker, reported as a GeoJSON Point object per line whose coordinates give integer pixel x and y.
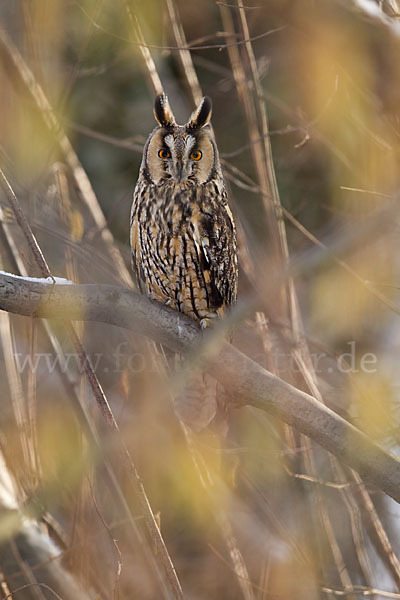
{"type": "Point", "coordinates": [162, 112]}
{"type": "Point", "coordinates": [202, 115]}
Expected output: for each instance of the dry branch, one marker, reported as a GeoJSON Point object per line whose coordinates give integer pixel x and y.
{"type": "Point", "coordinates": [249, 383]}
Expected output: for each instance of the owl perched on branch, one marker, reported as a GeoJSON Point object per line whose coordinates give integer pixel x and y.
{"type": "Point", "coordinates": [182, 232]}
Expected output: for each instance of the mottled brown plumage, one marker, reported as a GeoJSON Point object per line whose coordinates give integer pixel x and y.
{"type": "Point", "coordinates": [183, 235]}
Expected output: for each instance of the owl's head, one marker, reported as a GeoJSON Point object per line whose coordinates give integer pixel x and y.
{"type": "Point", "coordinates": [180, 155]}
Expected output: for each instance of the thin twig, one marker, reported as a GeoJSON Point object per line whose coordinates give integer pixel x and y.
{"type": "Point", "coordinates": [219, 3]}
{"type": "Point", "coordinates": [360, 591]}
{"type": "Point", "coordinates": [112, 539]}
{"type": "Point", "coordinates": [142, 44]}
{"type": "Point", "coordinates": [23, 223]}
{"type": "Point", "coordinates": [355, 516]}
{"type": "Point", "coordinates": [184, 55]}
{"type": "Point", "coordinates": [145, 52]}
{"type": "Point", "coordinates": [103, 137]}
{"type": "Point", "coordinates": [32, 585]}
{"type": "Point", "coordinates": [343, 264]}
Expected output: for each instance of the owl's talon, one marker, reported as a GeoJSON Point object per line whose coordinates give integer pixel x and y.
{"type": "Point", "coordinates": [204, 323]}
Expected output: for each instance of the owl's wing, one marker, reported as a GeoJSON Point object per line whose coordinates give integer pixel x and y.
{"type": "Point", "coordinates": [218, 244]}
{"type": "Point", "coordinates": [134, 240]}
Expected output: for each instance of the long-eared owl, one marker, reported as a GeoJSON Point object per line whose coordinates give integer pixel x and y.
{"type": "Point", "coordinates": [182, 232]}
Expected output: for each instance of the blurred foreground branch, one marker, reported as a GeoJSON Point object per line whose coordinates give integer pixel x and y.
{"type": "Point", "coordinates": [248, 383]}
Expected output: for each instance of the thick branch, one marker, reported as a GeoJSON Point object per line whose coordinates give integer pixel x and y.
{"type": "Point", "coordinates": [248, 382]}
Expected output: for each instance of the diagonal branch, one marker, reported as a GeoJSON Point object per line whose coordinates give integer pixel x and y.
{"type": "Point", "coordinates": [248, 383]}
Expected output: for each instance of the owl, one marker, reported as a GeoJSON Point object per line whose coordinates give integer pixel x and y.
{"type": "Point", "coordinates": [182, 232]}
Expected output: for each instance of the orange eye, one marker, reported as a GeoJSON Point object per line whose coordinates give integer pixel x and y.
{"type": "Point", "coordinates": [196, 155]}
{"type": "Point", "coordinates": [163, 153]}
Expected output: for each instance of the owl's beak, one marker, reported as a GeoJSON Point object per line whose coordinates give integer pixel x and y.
{"type": "Point", "coordinates": [179, 170]}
